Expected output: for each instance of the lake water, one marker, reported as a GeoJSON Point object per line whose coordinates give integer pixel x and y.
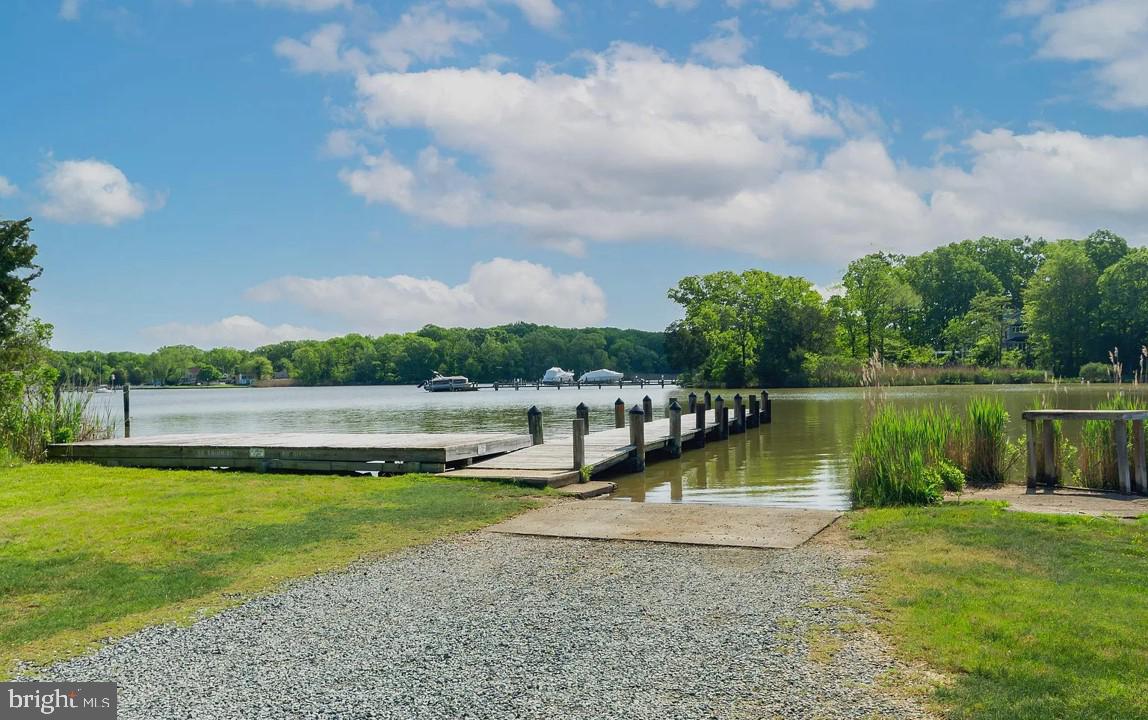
{"type": "Point", "coordinates": [802, 459]}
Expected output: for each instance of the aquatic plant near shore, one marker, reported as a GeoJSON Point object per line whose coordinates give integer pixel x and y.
{"type": "Point", "coordinates": [33, 415]}
{"type": "Point", "coordinates": [896, 459]}
{"type": "Point", "coordinates": [989, 455]}
{"type": "Point", "coordinates": [1098, 464]}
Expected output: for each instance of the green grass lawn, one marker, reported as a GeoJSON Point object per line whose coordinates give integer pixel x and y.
{"type": "Point", "coordinates": [1032, 616]}
{"type": "Point", "coordinates": [89, 552]}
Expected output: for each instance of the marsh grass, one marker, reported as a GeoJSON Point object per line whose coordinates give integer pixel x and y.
{"type": "Point", "coordinates": [896, 459]}
{"type": "Point", "coordinates": [989, 455]}
{"type": "Point", "coordinates": [1098, 466]}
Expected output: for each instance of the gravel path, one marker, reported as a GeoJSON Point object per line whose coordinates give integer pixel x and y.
{"type": "Point", "coordinates": [502, 626]}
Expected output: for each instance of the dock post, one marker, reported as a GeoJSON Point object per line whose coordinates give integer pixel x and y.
{"type": "Point", "coordinates": [619, 413]}
{"type": "Point", "coordinates": [709, 401]}
{"type": "Point", "coordinates": [579, 444]}
{"type": "Point", "coordinates": [638, 439]}
{"type": "Point", "coordinates": [723, 424]}
{"type": "Point", "coordinates": [766, 408]}
{"type": "Point", "coordinates": [1138, 453]}
{"type": "Point", "coordinates": [583, 414]}
{"type": "Point", "coordinates": [753, 418]}
{"type": "Point", "coordinates": [693, 400]}
{"type": "Point", "coordinates": [738, 415]}
{"type": "Point", "coordinates": [1049, 441]}
{"type": "Point", "coordinates": [1120, 435]}
{"type": "Point", "coordinates": [700, 424]}
{"type": "Point", "coordinates": [648, 408]}
{"type": "Point", "coordinates": [534, 421]}
{"type": "Point", "coordinates": [127, 410]}
{"type": "Point", "coordinates": [1030, 441]}
{"type": "Point", "coordinates": [675, 446]}
{"type": "Point", "coordinates": [719, 414]}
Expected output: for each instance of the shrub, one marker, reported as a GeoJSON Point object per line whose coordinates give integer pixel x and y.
{"type": "Point", "coordinates": [1096, 372]}
{"type": "Point", "coordinates": [32, 416]}
{"type": "Point", "coordinates": [896, 459]}
{"type": "Point", "coordinates": [951, 476]}
{"type": "Point", "coordinates": [831, 370]}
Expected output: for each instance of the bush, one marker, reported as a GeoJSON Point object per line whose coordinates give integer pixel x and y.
{"type": "Point", "coordinates": [1096, 372]}
{"type": "Point", "coordinates": [951, 476]}
{"type": "Point", "coordinates": [831, 370]}
{"type": "Point", "coordinates": [896, 461]}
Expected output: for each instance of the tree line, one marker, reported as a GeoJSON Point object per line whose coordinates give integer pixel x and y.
{"type": "Point", "coordinates": [506, 352]}
{"type": "Point", "coordinates": [1021, 303]}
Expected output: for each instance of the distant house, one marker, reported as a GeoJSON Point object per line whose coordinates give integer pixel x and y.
{"type": "Point", "coordinates": [280, 375]}
{"type": "Point", "coordinates": [190, 377]}
{"type": "Point", "coordinates": [241, 379]}
{"type": "Point", "coordinates": [1015, 337]}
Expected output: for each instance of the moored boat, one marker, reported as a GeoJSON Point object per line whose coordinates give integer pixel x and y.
{"type": "Point", "coordinates": [558, 376]}
{"type": "Point", "coordinates": [601, 376]}
{"type": "Point", "coordinates": [448, 383]}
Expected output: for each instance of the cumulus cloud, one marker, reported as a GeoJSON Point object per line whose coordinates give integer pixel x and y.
{"type": "Point", "coordinates": [92, 191]}
{"type": "Point", "coordinates": [240, 331]}
{"type": "Point", "coordinates": [320, 52]}
{"type": "Point", "coordinates": [640, 147]}
{"type": "Point", "coordinates": [1112, 35]}
{"type": "Point", "coordinates": [7, 189]}
{"type": "Point", "coordinates": [69, 10]}
{"type": "Point", "coordinates": [540, 13]}
{"type": "Point", "coordinates": [725, 46]}
{"type": "Point", "coordinates": [827, 37]}
{"type": "Point", "coordinates": [498, 291]}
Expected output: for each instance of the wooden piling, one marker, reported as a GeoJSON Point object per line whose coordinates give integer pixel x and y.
{"type": "Point", "coordinates": [675, 446]}
{"type": "Point", "coordinates": [719, 412]}
{"type": "Point", "coordinates": [1030, 440]}
{"type": "Point", "coordinates": [619, 413]}
{"type": "Point", "coordinates": [723, 424]}
{"type": "Point", "coordinates": [583, 413]}
{"type": "Point", "coordinates": [637, 439]}
{"type": "Point", "coordinates": [693, 402]}
{"type": "Point", "coordinates": [738, 415]}
{"type": "Point", "coordinates": [127, 410]}
{"type": "Point", "coordinates": [1138, 453]}
{"type": "Point", "coordinates": [700, 424]}
{"type": "Point", "coordinates": [579, 444]}
{"type": "Point", "coordinates": [1048, 440]}
{"type": "Point", "coordinates": [753, 419]}
{"type": "Point", "coordinates": [709, 401]}
{"type": "Point", "coordinates": [648, 408]}
{"type": "Point", "coordinates": [766, 408]}
{"type": "Point", "coordinates": [534, 421]}
{"type": "Point", "coordinates": [1120, 437]}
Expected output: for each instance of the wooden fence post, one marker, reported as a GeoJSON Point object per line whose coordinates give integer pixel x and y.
{"type": "Point", "coordinates": [700, 424]}
{"type": "Point", "coordinates": [1120, 436]}
{"type": "Point", "coordinates": [579, 445]}
{"type": "Point", "coordinates": [127, 410]}
{"type": "Point", "coordinates": [693, 400]}
{"type": "Point", "coordinates": [1048, 440]}
{"type": "Point", "coordinates": [534, 422]}
{"type": "Point", "coordinates": [638, 439]}
{"type": "Point", "coordinates": [738, 414]}
{"type": "Point", "coordinates": [1141, 464]}
{"type": "Point", "coordinates": [1030, 441]}
{"type": "Point", "coordinates": [583, 413]}
{"type": "Point", "coordinates": [648, 408]}
{"type": "Point", "coordinates": [675, 429]}
{"type": "Point", "coordinates": [753, 419]}
{"type": "Point", "coordinates": [619, 413]}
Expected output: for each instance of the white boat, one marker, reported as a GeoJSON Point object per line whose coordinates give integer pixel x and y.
{"type": "Point", "coordinates": [600, 376]}
{"type": "Point", "coordinates": [558, 376]}
{"type": "Point", "coordinates": [448, 383]}
{"type": "Point", "coordinates": [104, 389]}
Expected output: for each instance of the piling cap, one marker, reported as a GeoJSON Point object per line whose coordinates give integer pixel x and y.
{"type": "Point", "coordinates": [719, 398]}
{"type": "Point", "coordinates": [674, 405]}
{"type": "Point", "coordinates": [582, 406]}
{"type": "Point", "coordinates": [646, 398]}
{"type": "Point", "coordinates": [533, 410]}
{"type": "Point", "coordinates": [637, 410]}
{"type": "Point", "coordinates": [694, 395]}
{"type": "Point", "coordinates": [737, 398]}
{"type": "Point", "coordinates": [620, 401]}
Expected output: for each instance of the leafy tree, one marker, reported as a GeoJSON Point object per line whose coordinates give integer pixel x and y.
{"type": "Point", "coordinates": [1123, 289]}
{"type": "Point", "coordinates": [17, 272]}
{"type": "Point", "coordinates": [979, 333]}
{"type": "Point", "coordinates": [879, 297]}
{"type": "Point", "coordinates": [1104, 249]}
{"type": "Point", "coordinates": [1061, 309]}
{"type": "Point", "coordinates": [946, 279]}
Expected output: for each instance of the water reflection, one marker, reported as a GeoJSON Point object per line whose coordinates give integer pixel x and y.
{"type": "Point", "coordinates": [802, 459]}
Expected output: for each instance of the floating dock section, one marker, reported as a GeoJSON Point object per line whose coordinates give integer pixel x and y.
{"type": "Point", "coordinates": [296, 452]}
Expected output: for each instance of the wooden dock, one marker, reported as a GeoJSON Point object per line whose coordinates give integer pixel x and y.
{"type": "Point", "coordinates": [563, 461]}
{"type": "Point", "coordinates": [296, 452]}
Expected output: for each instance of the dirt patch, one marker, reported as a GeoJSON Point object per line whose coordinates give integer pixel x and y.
{"type": "Point", "coordinates": [1061, 501]}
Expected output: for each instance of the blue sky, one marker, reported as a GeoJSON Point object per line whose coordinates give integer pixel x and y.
{"type": "Point", "coordinates": [245, 171]}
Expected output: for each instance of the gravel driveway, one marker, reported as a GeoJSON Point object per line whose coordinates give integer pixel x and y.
{"type": "Point", "coordinates": [503, 626]}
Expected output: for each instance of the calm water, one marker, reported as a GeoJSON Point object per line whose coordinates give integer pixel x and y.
{"type": "Point", "coordinates": [801, 459]}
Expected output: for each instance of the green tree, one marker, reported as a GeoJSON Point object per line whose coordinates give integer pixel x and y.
{"type": "Point", "coordinates": [17, 272]}
{"type": "Point", "coordinates": [1123, 289]}
{"type": "Point", "coordinates": [1060, 309]}
{"type": "Point", "coordinates": [878, 299]}
{"type": "Point", "coordinates": [946, 279]}
{"type": "Point", "coordinates": [979, 334]}
{"type": "Point", "coordinates": [1104, 248]}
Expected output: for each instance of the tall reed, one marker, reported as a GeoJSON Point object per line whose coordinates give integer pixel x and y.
{"type": "Point", "coordinates": [32, 417]}
{"type": "Point", "coordinates": [989, 456]}
{"type": "Point", "coordinates": [898, 459]}
{"type": "Point", "coordinates": [1098, 465]}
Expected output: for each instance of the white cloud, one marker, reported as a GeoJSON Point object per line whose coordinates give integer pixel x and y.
{"type": "Point", "coordinates": [69, 9]}
{"type": "Point", "coordinates": [677, 4]}
{"type": "Point", "coordinates": [1024, 8]}
{"type": "Point", "coordinates": [498, 291]}
{"type": "Point", "coordinates": [7, 189]}
{"type": "Point", "coordinates": [420, 35]}
{"type": "Point", "coordinates": [240, 331]}
{"type": "Point", "coordinates": [1111, 34]}
{"type": "Point", "coordinates": [307, 5]}
{"type": "Point", "coordinates": [827, 37]}
{"type": "Point", "coordinates": [848, 5]}
{"type": "Point", "coordinates": [540, 13]}
{"type": "Point", "coordinates": [92, 191]}
{"type": "Point", "coordinates": [725, 46]}
{"type": "Point", "coordinates": [846, 75]}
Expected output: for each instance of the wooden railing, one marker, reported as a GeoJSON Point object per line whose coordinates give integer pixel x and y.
{"type": "Point", "coordinates": [1119, 420]}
